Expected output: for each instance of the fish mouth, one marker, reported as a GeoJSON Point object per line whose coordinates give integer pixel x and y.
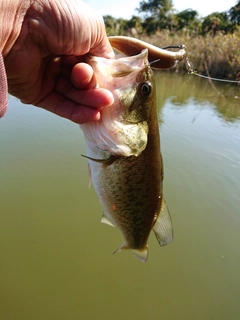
{"type": "Point", "coordinates": [123, 128]}
{"type": "Point", "coordinates": [119, 67]}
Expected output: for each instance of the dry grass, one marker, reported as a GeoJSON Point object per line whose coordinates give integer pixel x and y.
{"type": "Point", "coordinates": [219, 56]}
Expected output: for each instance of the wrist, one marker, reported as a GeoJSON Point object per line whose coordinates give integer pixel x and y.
{"type": "Point", "coordinates": [12, 14]}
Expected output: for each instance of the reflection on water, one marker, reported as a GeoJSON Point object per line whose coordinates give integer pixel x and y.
{"type": "Point", "coordinates": [56, 260]}
{"type": "Point", "coordinates": [223, 97]}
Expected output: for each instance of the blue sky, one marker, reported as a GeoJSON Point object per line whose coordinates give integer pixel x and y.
{"type": "Point", "coordinates": [125, 8]}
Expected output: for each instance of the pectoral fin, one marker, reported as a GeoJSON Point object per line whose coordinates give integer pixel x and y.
{"type": "Point", "coordinates": [163, 226]}
{"type": "Point", "coordinates": [106, 161]}
{"type": "Point", "coordinates": [95, 160]}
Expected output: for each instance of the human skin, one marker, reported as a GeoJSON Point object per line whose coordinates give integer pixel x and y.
{"type": "Point", "coordinates": [44, 44]}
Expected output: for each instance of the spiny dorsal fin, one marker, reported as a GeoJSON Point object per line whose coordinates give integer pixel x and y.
{"type": "Point", "coordinates": [163, 226]}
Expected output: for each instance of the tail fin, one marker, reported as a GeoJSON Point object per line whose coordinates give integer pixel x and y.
{"type": "Point", "coordinates": [141, 254]}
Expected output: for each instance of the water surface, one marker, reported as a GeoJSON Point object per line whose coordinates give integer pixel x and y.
{"type": "Point", "coordinates": [56, 257]}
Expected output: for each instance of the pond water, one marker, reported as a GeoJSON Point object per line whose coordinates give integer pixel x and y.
{"type": "Point", "coordinates": [56, 256]}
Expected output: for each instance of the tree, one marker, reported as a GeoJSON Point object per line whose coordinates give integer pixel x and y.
{"type": "Point", "coordinates": [150, 25]}
{"type": "Point", "coordinates": [157, 13]}
{"type": "Point", "coordinates": [217, 21]}
{"type": "Point", "coordinates": [234, 13]}
{"type": "Point", "coordinates": [110, 24]}
{"type": "Point", "coordinates": [186, 18]}
{"type": "Point", "coordinates": [115, 26]}
{"type": "Point", "coordinates": [135, 23]}
{"type": "Point", "coordinates": [155, 8]}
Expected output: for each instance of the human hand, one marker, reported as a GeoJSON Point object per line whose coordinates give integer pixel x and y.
{"type": "Point", "coordinates": [45, 66]}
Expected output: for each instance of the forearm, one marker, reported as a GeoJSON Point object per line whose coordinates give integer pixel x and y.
{"type": "Point", "coordinates": [12, 13]}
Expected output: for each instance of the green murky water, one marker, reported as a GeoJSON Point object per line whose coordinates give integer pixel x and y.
{"type": "Point", "coordinates": [56, 257]}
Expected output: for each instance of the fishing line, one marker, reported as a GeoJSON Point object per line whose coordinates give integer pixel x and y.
{"type": "Point", "coordinates": [192, 72]}
{"type": "Point", "coordinates": [214, 79]}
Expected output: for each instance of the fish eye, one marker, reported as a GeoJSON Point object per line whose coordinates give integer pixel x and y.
{"type": "Point", "coordinates": [146, 89]}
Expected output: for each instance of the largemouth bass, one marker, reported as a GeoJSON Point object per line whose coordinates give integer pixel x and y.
{"type": "Point", "coordinates": [123, 149]}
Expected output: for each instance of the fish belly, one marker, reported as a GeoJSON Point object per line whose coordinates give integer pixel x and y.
{"type": "Point", "coordinates": [129, 190]}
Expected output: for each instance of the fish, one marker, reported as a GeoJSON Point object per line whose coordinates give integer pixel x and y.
{"type": "Point", "coordinates": [123, 147]}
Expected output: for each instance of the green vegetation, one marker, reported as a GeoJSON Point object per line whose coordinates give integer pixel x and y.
{"type": "Point", "coordinates": [213, 42]}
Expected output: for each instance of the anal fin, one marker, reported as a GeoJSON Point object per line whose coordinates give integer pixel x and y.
{"type": "Point", "coordinates": [163, 226]}
{"type": "Point", "coordinates": [106, 221]}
